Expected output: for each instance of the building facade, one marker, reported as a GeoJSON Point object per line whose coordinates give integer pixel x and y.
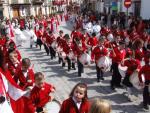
{"type": "Point", "coordinates": [17, 8]}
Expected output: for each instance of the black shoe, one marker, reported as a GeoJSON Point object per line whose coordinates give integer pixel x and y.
{"type": "Point", "coordinates": [63, 64]}
{"type": "Point", "coordinates": [79, 75]}
{"type": "Point", "coordinates": [74, 68]}
{"type": "Point", "coordinates": [102, 78]}
{"type": "Point", "coordinates": [145, 107]}
{"type": "Point", "coordinates": [112, 87]}
{"type": "Point", "coordinates": [98, 80]}
{"type": "Point", "coordinates": [119, 86]}
{"type": "Point", "coordinates": [68, 70]}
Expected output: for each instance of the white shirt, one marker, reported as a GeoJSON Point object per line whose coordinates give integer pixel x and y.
{"type": "Point", "coordinates": [78, 104]}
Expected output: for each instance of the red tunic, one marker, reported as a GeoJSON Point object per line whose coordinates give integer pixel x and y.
{"type": "Point", "coordinates": [92, 41]}
{"type": "Point", "coordinates": [13, 67]}
{"type": "Point", "coordinates": [79, 50]}
{"type": "Point", "coordinates": [69, 106]}
{"type": "Point", "coordinates": [25, 81]}
{"type": "Point", "coordinates": [98, 52]}
{"type": "Point", "coordinates": [139, 54]}
{"type": "Point", "coordinates": [132, 65]}
{"type": "Point", "coordinates": [118, 56]}
{"type": "Point", "coordinates": [50, 39]}
{"type": "Point", "coordinates": [40, 96]}
{"type": "Point", "coordinates": [39, 34]}
{"type": "Point", "coordinates": [145, 70]}
{"type": "Point", "coordinates": [66, 46]}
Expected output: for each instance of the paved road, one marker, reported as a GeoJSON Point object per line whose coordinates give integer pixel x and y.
{"type": "Point", "coordinates": [64, 81]}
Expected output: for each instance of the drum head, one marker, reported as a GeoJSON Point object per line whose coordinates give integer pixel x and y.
{"type": "Point", "coordinates": [71, 55]}
{"type": "Point", "coordinates": [53, 107]}
{"type": "Point", "coordinates": [54, 45]}
{"type": "Point", "coordinates": [85, 59]}
{"type": "Point", "coordinates": [122, 70]}
{"type": "Point", "coordinates": [135, 80]}
{"type": "Point", "coordinates": [104, 62]}
{"type": "Point", "coordinates": [63, 55]}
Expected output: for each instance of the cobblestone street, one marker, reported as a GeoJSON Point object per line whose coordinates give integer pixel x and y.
{"type": "Point", "coordinates": [64, 81]}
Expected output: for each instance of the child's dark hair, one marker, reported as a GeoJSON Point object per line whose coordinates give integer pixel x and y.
{"type": "Point", "coordinates": [61, 31]}
{"type": "Point", "coordinates": [10, 50]}
{"type": "Point", "coordinates": [26, 61]}
{"type": "Point", "coordinates": [93, 34]}
{"type": "Point", "coordinates": [50, 32]}
{"type": "Point", "coordinates": [39, 75]}
{"type": "Point", "coordinates": [82, 85]}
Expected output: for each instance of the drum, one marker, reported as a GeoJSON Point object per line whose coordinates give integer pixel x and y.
{"type": "Point", "coordinates": [134, 79]}
{"type": "Point", "coordinates": [122, 70]}
{"type": "Point", "coordinates": [71, 55]}
{"type": "Point", "coordinates": [52, 107]}
{"type": "Point", "coordinates": [85, 59]}
{"type": "Point", "coordinates": [105, 63]}
{"type": "Point", "coordinates": [54, 45]}
{"type": "Point", "coordinates": [63, 55]}
{"type": "Point", "coordinates": [110, 37]}
{"type": "Point", "coordinates": [142, 63]}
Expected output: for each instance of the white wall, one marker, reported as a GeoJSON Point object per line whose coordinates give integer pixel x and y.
{"type": "Point", "coordinates": [145, 9]}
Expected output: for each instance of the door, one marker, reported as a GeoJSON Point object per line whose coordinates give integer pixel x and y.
{"type": "Point", "coordinates": [15, 12]}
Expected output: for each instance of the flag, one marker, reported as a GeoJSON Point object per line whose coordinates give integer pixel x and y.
{"type": "Point", "coordinates": [10, 86]}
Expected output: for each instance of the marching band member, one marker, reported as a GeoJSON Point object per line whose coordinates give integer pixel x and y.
{"type": "Point", "coordinates": [92, 41]}
{"type": "Point", "coordinates": [25, 77]}
{"type": "Point", "coordinates": [145, 71]}
{"type": "Point", "coordinates": [77, 101]}
{"type": "Point", "coordinates": [67, 48]}
{"type": "Point", "coordinates": [138, 49]}
{"type": "Point", "coordinates": [13, 65]}
{"type": "Point", "coordinates": [75, 34]}
{"type": "Point", "coordinates": [98, 52]}
{"type": "Point", "coordinates": [14, 62]}
{"type": "Point", "coordinates": [46, 41]}
{"type": "Point", "coordinates": [50, 40]}
{"type": "Point", "coordinates": [39, 37]}
{"type": "Point", "coordinates": [79, 48]}
{"type": "Point", "coordinates": [40, 93]}
{"type": "Point", "coordinates": [132, 65]}
{"type": "Point", "coordinates": [117, 54]}
{"type": "Point", "coordinates": [59, 42]}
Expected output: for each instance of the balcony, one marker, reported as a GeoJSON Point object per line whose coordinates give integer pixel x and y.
{"type": "Point", "coordinates": [19, 1]}
{"type": "Point", "coordinates": [37, 2]}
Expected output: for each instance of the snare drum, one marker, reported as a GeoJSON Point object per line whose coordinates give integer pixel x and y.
{"type": "Point", "coordinates": [54, 45]}
{"type": "Point", "coordinates": [71, 55]}
{"type": "Point", "coordinates": [63, 55]}
{"type": "Point", "coordinates": [122, 70]}
{"type": "Point", "coordinates": [85, 59]}
{"type": "Point", "coordinates": [52, 107]}
{"type": "Point", "coordinates": [134, 79]}
{"type": "Point", "coordinates": [105, 63]}
{"type": "Point", "coordinates": [110, 37]}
